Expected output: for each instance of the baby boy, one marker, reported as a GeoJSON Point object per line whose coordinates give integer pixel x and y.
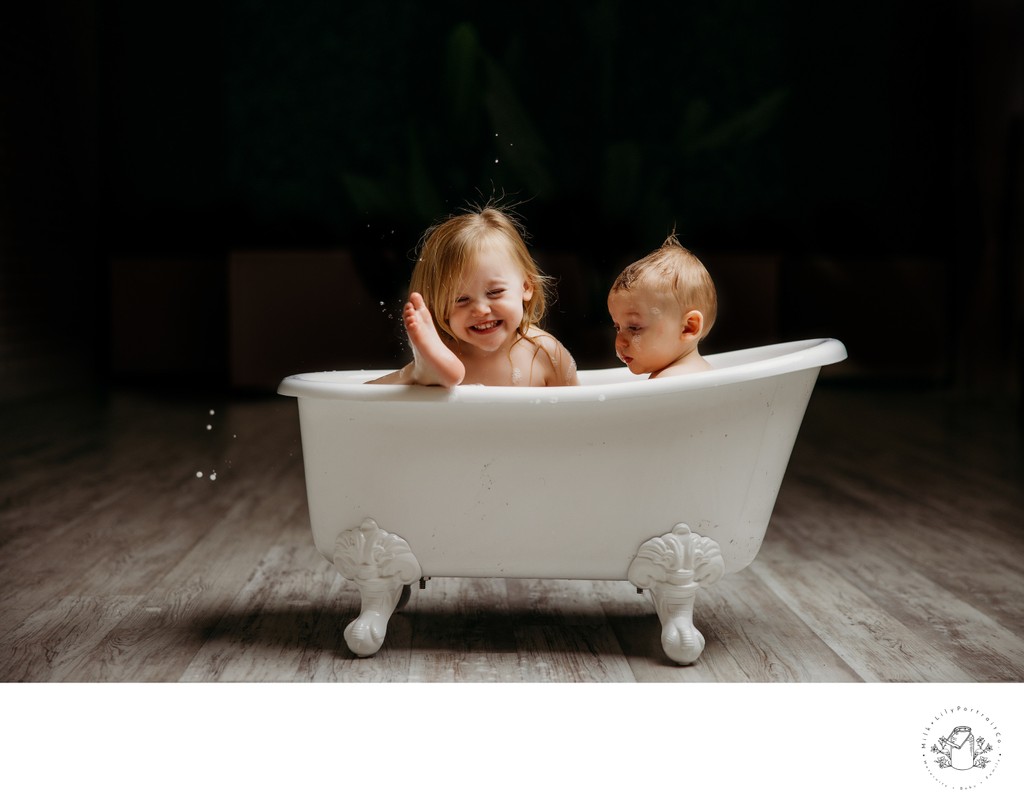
{"type": "Point", "coordinates": [662, 306]}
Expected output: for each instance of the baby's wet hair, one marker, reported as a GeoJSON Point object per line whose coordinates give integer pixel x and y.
{"type": "Point", "coordinates": [674, 271]}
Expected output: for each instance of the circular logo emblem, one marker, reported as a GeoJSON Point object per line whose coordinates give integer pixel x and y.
{"type": "Point", "coordinates": [961, 747]}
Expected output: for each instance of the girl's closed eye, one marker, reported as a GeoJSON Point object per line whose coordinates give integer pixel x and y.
{"type": "Point", "coordinates": [495, 293]}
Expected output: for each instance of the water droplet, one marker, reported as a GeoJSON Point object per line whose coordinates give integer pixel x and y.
{"type": "Point", "coordinates": [495, 160]}
{"type": "Point", "coordinates": [209, 426]}
{"type": "Point", "coordinates": [382, 303]}
{"type": "Point", "coordinates": [211, 412]}
{"type": "Point", "coordinates": [199, 474]}
{"type": "Point", "coordinates": [213, 476]}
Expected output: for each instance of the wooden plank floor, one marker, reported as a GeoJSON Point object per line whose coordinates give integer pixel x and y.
{"type": "Point", "coordinates": [896, 553]}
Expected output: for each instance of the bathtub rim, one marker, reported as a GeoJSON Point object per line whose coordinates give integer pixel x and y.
{"type": "Point", "coordinates": [596, 385]}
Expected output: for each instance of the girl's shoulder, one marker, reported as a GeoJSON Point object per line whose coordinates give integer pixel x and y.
{"type": "Point", "coordinates": [544, 339]}
{"type": "Point", "coordinates": [559, 368]}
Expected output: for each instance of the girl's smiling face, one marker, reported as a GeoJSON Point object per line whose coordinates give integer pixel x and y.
{"type": "Point", "coordinates": [488, 306]}
{"type": "Point", "coordinates": [650, 333]}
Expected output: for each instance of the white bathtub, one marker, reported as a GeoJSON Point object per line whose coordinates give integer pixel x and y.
{"type": "Point", "coordinates": [668, 483]}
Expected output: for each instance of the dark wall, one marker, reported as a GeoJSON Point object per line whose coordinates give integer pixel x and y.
{"type": "Point", "coordinates": [50, 279]}
{"type": "Point", "coordinates": [864, 156]}
{"type": "Point", "coordinates": [748, 124]}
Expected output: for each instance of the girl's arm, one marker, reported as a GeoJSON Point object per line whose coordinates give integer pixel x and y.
{"type": "Point", "coordinates": [399, 377]}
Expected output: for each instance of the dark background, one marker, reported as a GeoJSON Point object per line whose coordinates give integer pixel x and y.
{"type": "Point", "coordinates": [203, 195]}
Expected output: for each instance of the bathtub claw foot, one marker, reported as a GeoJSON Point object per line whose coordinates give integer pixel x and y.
{"type": "Point", "coordinates": [382, 566]}
{"type": "Point", "coordinates": [674, 567]}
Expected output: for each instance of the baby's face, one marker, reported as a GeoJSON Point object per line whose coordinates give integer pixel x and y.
{"type": "Point", "coordinates": [649, 330]}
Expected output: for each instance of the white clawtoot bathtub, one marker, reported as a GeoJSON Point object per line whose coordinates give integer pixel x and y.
{"type": "Point", "coordinates": [667, 483]}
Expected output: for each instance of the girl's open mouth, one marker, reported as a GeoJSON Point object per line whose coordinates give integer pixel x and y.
{"type": "Point", "coordinates": [486, 328]}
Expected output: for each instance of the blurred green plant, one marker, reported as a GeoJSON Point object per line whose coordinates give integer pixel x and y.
{"type": "Point", "coordinates": [481, 136]}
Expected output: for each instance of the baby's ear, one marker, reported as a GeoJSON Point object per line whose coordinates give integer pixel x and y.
{"type": "Point", "coordinates": [527, 289]}
{"type": "Point", "coordinates": [693, 323]}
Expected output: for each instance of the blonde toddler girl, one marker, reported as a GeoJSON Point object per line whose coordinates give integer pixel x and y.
{"type": "Point", "coordinates": [476, 299]}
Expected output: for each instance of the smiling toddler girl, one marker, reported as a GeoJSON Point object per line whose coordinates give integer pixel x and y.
{"type": "Point", "coordinates": [476, 299]}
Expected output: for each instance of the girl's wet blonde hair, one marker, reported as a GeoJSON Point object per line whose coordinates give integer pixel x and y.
{"type": "Point", "coordinates": [673, 271]}
{"type": "Point", "coordinates": [447, 248]}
